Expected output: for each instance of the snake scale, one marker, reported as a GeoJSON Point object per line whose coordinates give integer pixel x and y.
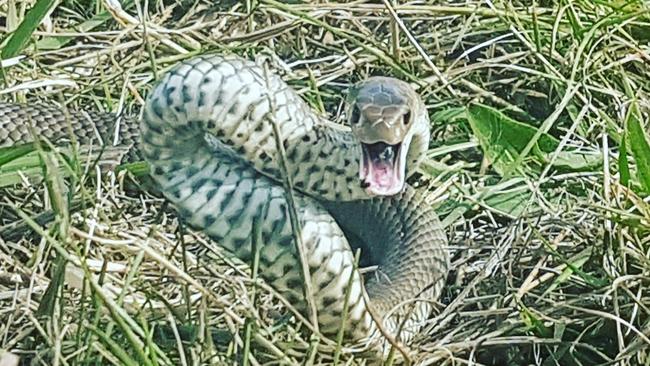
{"type": "Point", "coordinates": [207, 134]}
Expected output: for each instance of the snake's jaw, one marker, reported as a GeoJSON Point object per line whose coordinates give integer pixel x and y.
{"type": "Point", "coordinates": [382, 167]}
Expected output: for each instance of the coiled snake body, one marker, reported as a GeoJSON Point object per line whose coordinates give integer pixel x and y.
{"type": "Point", "coordinates": [207, 133]}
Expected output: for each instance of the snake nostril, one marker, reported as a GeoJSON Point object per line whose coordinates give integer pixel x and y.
{"type": "Point", "coordinates": [407, 118]}
{"type": "Point", "coordinates": [355, 118]}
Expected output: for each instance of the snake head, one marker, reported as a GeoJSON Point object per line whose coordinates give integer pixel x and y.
{"type": "Point", "coordinates": [383, 116]}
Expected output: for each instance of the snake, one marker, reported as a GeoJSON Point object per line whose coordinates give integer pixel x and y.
{"type": "Point", "coordinates": [223, 135]}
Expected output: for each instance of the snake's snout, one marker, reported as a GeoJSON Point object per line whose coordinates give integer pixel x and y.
{"type": "Point", "coordinates": [381, 117]}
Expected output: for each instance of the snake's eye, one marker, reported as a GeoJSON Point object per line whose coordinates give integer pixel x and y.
{"type": "Point", "coordinates": [355, 118]}
{"type": "Point", "coordinates": [407, 118]}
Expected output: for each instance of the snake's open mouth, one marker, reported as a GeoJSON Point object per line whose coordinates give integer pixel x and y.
{"type": "Point", "coordinates": [382, 168]}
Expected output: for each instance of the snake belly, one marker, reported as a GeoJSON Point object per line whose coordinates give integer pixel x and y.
{"type": "Point", "coordinates": [207, 134]}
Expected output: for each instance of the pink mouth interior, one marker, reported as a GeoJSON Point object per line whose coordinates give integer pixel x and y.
{"type": "Point", "coordinates": [380, 169]}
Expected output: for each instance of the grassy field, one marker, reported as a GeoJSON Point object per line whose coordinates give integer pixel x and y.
{"type": "Point", "coordinates": [539, 168]}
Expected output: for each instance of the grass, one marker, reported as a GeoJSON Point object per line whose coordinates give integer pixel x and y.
{"type": "Point", "coordinates": [538, 167]}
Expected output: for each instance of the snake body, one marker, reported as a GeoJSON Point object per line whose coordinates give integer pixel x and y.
{"type": "Point", "coordinates": [207, 132]}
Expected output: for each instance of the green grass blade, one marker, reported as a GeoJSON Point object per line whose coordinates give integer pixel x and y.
{"type": "Point", "coordinates": [11, 153]}
{"type": "Point", "coordinates": [623, 166]}
{"type": "Point", "coordinates": [639, 146]}
{"type": "Point", "coordinates": [116, 349]}
{"type": "Point", "coordinates": [57, 42]}
{"type": "Point", "coordinates": [21, 36]}
{"type": "Point", "coordinates": [47, 305]}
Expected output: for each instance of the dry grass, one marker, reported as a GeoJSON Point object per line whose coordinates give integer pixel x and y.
{"type": "Point", "coordinates": [550, 267]}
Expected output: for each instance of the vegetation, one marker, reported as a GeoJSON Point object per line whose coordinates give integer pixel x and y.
{"type": "Point", "coordinates": [539, 168]}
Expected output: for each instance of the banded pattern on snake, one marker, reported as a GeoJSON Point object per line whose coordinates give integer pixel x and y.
{"type": "Point", "coordinates": [207, 134]}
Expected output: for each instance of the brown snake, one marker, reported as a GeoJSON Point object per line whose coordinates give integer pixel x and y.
{"type": "Point", "coordinates": [207, 132]}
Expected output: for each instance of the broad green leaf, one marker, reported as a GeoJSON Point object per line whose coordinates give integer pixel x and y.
{"type": "Point", "coordinates": [511, 202]}
{"type": "Point", "coordinates": [503, 138]}
{"type": "Point", "coordinates": [20, 37]}
{"type": "Point", "coordinates": [639, 146]}
{"type": "Point", "coordinates": [509, 198]}
{"type": "Point", "coordinates": [577, 161]}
